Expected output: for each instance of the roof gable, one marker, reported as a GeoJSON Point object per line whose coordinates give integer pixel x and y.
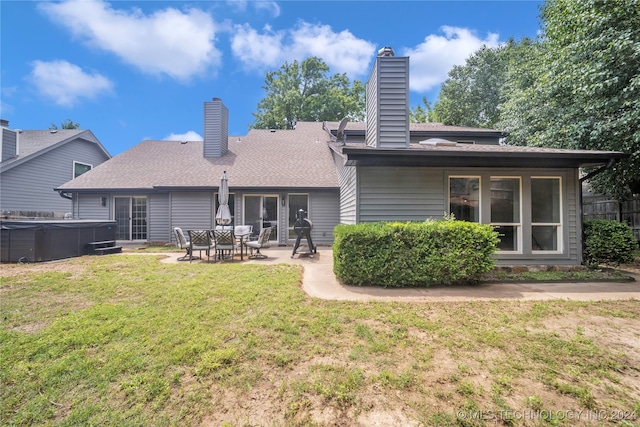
{"type": "Point", "coordinates": [34, 143]}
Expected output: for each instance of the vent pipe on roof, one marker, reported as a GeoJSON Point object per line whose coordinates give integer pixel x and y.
{"type": "Point", "coordinates": [386, 51]}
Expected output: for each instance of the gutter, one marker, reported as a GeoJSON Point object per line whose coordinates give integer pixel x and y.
{"type": "Point", "coordinates": [64, 195]}
{"type": "Point", "coordinates": [598, 171]}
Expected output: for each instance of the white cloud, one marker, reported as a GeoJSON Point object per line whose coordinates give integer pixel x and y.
{"type": "Point", "coordinates": [269, 6]}
{"type": "Point", "coordinates": [66, 83]}
{"type": "Point", "coordinates": [341, 51]}
{"type": "Point", "coordinates": [170, 42]}
{"type": "Point", "coordinates": [431, 60]}
{"type": "Point", "coordinates": [188, 136]}
{"type": "Point", "coordinates": [258, 51]}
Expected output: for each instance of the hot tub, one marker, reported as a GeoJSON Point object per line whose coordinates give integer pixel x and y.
{"type": "Point", "coordinates": [37, 241]}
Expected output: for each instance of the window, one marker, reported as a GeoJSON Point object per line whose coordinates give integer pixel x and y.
{"type": "Point", "coordinates": [464, 198]}
{"type": "Point", "coordinates": [506, 202]}
{"type": "Point", "coordinates": [296, 202]}
{"type": "Point", "coordinates": [505, 211]}
{"type": "Point", "coordinates": [80, 168]}
{"type": "Point", "coordinates": [546, 224]}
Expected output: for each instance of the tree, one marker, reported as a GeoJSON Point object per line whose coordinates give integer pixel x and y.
{"type": "Point", "coordinates": [421, 113]}
{"type": "Point", "coordinates": [304, 92]}
{"type": "Point", "coordinates": [582, 86]}
{"type": "Point", "coordinates": [473, 92]}
{"type": "Point", "coordinates": [67, 124]}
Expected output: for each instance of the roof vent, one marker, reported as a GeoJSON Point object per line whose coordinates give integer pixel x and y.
{"type": "Point", "coordinates": [438, 142]}
{"type": "Point", "coordinates": [386, 51]}
{"type": "Point", "coordinates": [53, 131]}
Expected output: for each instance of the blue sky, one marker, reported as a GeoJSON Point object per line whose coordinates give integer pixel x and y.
{"type": "Point", "coordinates": [135, 70]}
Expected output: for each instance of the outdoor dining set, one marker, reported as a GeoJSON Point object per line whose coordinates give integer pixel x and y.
{"type": "Point", "coordinates": [222, 242]}
{"type": "Point", "coordinates": [224, 239]}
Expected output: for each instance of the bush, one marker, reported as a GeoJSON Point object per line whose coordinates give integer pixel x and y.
{"type": "Point", "coordinates": [608, 242]}
{"type": "Point", "coordinates": [413, 254]}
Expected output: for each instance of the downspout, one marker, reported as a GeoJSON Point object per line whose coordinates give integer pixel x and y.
{"type": "Point", "coordinates": [64, 195]}
{"type": "Point", "coordinates": [598, 171]}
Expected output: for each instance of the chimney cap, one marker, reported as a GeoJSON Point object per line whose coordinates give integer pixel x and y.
{"type": "Point", "coordinates": [386, 51]}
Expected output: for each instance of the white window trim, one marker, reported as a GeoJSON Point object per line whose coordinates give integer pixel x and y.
{"type": "Point", "coordinates": [518, 225]}
{"type": "Point", "coordinates": [559, 225]}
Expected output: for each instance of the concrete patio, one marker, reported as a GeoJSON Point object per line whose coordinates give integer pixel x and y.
{"type": "Point", "coordinates": [319, 281]}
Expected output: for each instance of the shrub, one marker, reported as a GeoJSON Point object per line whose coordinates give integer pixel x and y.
{"type": "Point", "coordinates": [394, 254]}
{"type": "Point", "coordinates": [608, 242]}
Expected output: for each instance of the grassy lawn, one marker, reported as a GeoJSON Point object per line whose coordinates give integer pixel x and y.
{"type": "Point", "coordinates": [129, 341]}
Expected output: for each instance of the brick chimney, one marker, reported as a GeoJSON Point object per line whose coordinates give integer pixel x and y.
{"type": "Point", "coordinates": [387, 98]}
{"type": "Point", "coordinates": [216, 128]}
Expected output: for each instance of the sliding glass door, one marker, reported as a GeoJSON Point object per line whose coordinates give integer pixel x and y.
{"type": "Point", "coordinates": [261, 211]}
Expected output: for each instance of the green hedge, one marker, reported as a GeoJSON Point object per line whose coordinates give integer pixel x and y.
{"type": "Point", "coordinates": [413, 254]}
{"type": "Point", "coordinates": [608, 242]}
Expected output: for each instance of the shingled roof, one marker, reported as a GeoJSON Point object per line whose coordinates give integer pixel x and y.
{"type": "Point", "coordinates": [33, 143]}
{"type": "Point", "coordinates": [266, 159]}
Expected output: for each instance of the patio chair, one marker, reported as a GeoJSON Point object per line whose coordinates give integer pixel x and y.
{"type": "Point", "coordinates": [225, 242]}
{"type": "Point", "coordinates": [182, 243]}
{"type": "Point", "coordinates": [199, 240]}
{"type": "Point", "coordinates": [262, 242]}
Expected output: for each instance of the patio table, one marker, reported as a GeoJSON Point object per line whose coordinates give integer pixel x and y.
{"type": "Point", "coordinates": [241, 237]}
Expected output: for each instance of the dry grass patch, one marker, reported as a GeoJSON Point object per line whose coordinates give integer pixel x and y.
{"type": "Point", "coordinates": [129, 340]}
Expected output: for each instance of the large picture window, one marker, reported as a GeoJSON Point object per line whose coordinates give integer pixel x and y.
{"type": "Point", "coordinates": [546, 223]}
{"type": "Point", "coordinates": [505, 211]}
{"type": "Point", "coordinates": [464, 198]}
{"type": "Point", "coordinates": [527, 211]}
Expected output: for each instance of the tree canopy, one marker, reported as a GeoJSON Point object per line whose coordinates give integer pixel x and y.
{"type": "Point", "coordinates": [473, 92]}
{"type": "Point", "coordinates": [576, 87]}
{"type": "Point", "coordinates": [305, 92]}
{"type": "Point", "coordinates": [67, 124]}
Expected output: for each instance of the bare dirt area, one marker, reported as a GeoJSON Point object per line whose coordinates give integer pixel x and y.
{"type": "Point", "coordinates": [448, 385]}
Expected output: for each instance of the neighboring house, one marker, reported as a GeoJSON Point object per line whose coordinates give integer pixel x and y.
{"type": "Point", "coordinates": [386, 169]}
{"type": "Point", "coordinates": [34, 162]}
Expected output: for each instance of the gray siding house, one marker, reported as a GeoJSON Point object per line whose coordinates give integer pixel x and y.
{"type": "Point", "coordinates": [387, 169]}
{"type": "Point", "coordinates": [34, 162]}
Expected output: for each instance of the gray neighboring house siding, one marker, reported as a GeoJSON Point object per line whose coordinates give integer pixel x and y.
{"type": "Point", "coordinates": [28, 184]}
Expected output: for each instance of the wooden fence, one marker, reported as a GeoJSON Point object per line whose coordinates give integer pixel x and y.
{"type": "Point", "coordinates": [603, 207]}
